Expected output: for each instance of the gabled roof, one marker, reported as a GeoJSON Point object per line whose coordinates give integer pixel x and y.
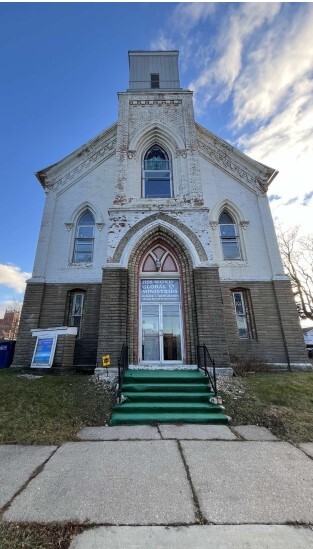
{"type": "Point", "coordinates": [81, 161]}
{"type": "Point", "coordinates": [238, 165]}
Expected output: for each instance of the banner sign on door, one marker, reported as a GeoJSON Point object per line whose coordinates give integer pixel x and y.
{"type": "Point", "coordinates": [159, 290]}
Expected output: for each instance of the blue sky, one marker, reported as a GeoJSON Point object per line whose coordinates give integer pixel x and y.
{"type": "Point", "coordinates": [250, 66]}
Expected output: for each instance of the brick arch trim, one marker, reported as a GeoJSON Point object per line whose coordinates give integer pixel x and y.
{"type": "Point", "coordinates": [162, 217]}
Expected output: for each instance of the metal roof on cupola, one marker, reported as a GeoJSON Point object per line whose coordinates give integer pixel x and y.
{"type": "Point", "coordinates": [153, 70]}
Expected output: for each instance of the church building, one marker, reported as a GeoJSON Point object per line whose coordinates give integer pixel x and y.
{"type": "Point", "coordinates": [157, 234]}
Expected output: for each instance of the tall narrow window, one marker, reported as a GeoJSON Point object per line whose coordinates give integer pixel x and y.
{"type": "Point", "coordinates": [155, 81]}
{"type": "Point", "coordinates": [229, 237]}
{"type": "Point", "coordinates": [241, 315]}
{"type": "Point", "coordinates": [84, 238]}
{"type": "Point", "coordinates": [156, 174]}
{"type": "Point", "coordinates": [244, 314]}
{"type": "Point", "coordinates": [76, 310]}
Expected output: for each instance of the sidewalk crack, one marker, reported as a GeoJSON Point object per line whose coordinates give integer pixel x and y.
{"type": "Point", "coordinates": [200, 519]}
{"type": "Point", "coordinates": [32, 476]}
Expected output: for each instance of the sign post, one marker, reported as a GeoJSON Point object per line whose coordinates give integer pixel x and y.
{"type": "Point", "coordinates": [106, 361]}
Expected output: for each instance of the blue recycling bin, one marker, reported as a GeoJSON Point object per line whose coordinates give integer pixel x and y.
{"type": "Point", "coordinates": [6, 353]}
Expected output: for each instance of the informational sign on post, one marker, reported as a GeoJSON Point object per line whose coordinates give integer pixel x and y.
{"type": "Point", "coordinates": [106, 361]}
{"type": "Point", "coordinates": [44, 352]}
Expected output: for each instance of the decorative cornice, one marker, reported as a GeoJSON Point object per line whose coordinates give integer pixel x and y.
{"type": "Point", "coordinates": [150, 102]}
{"type": "Point", "coordinates": [101, 153]}
{"type": "Point", "coordinates": [223, 160]}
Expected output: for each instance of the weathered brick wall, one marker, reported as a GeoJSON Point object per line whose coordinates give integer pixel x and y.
{"type": "Point", "coordinates": [64, 352]}
{"type": "Point", "coordinates": [209, 312]}
{"type": "Point", "coordinates": [55, 312]}
{"type": "Point", "coordinates": [268, 346]}
{"type": "Point", "coordinates": [290, 322]}
{"type": "Point", "coordinates": [47, 306]}
{"type": "Point", "coordinates": [25, 343]}
{"type": "Point", "coordinates": [113, 314]}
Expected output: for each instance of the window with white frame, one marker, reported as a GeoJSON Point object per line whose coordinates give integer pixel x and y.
{"type": "Point", "coordinates": [229, 237]}
{"type": "Point", "coordinates": [84, 238]}
{"type": "Point", "coordinates": [76, 310]}
{"type": "Point", "coordinates": [156, 174]}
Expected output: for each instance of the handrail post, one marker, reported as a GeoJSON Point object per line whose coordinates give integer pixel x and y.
{"type": "Point", "coordinates": [205, 367]}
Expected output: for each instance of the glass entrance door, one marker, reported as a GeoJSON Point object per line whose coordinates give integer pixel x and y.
{"type": "Point", "coordinates": [161, 333]}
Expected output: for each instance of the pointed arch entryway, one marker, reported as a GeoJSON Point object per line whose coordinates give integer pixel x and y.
{"type": "Point", "coordinates": [161, 309]}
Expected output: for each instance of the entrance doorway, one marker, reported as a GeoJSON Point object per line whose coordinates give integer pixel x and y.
{"type": "Point", "coordinates": [161, 333]}
{"type": "Point", "coordinates": [160, 320]}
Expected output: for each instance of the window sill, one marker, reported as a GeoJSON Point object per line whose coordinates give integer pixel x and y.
{"type": "Point", "coordinates": [234, 262]}
{"type": "Point", "coordinates": [80, 265]}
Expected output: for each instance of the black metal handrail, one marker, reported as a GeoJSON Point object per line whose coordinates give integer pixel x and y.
{"type": "Point", "coordinates": [205, 361]}
{"type": "Point", "coordinates": [122, 367]}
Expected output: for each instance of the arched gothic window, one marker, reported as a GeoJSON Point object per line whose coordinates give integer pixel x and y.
{"type": "Point", "coordinates": [84, 238]}
{"type": "Point", "coordinates": [159, 260]}
{"type": "Point", "coordinates": [229, 236]}
{"type": "Point", "coordinates": [156, 174]}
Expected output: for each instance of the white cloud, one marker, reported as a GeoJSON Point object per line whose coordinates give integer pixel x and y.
{"type": "Point", "coordinates": [162, 43]}
{"type": "Point", "coordinates": [277, 64]}
{"type": "Point", "coordinates": [187, 15]}
{"type": "Point", "coordinates": [221, 72]}
{"type": "Point", "coordinates": [13, 277]}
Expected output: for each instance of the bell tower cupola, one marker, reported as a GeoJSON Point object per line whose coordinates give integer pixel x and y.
{"type": "Point", "coordinates": [153, 70]}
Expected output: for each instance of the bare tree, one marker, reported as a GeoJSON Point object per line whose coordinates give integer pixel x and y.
{"type": "Point", "coordinates": [297, 256]}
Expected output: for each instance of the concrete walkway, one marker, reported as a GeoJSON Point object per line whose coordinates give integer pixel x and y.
{"type": "Point", "coordinates": [166, 486]}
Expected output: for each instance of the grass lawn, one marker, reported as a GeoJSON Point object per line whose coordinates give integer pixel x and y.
{"type": "Point", "coordinates": [283, 402]}
{"type": "Point", "coordinates": [37, 536]}
{"type": "Point", "coordinates": [49, 410]}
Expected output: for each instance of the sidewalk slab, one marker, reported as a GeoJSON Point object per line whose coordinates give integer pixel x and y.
{"type": "Point", "coordinates": [17, 463]}
{"type": "Point", "coordinates": [254, 432]}
{"type": "Point", "coordinates": [196, 432]}
{"type": "Point", "coordinates": [136, 432]}
{"type": "Point", "coordinates": [307, 447]}
{"type": "Point", "coordinates": [251, 482]}
{"type": "Point", "coordinates": [124, 482]}
{"type": "Point", "coordinates": [197, 537]}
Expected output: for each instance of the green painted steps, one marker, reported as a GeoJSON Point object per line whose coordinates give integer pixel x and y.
{"type": "Point", "coordinates": [164, 376]}
{"type": "Point", "coordinates": [164, 387]}
{"type": "Point", "coordinates": [140, 418]}
{"type": "Point", "coordinates": [166, 396]}
{"type": "Point", "coordinates": [200, 407]}
{"type": "Point", "coordinates": [170, 397]}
